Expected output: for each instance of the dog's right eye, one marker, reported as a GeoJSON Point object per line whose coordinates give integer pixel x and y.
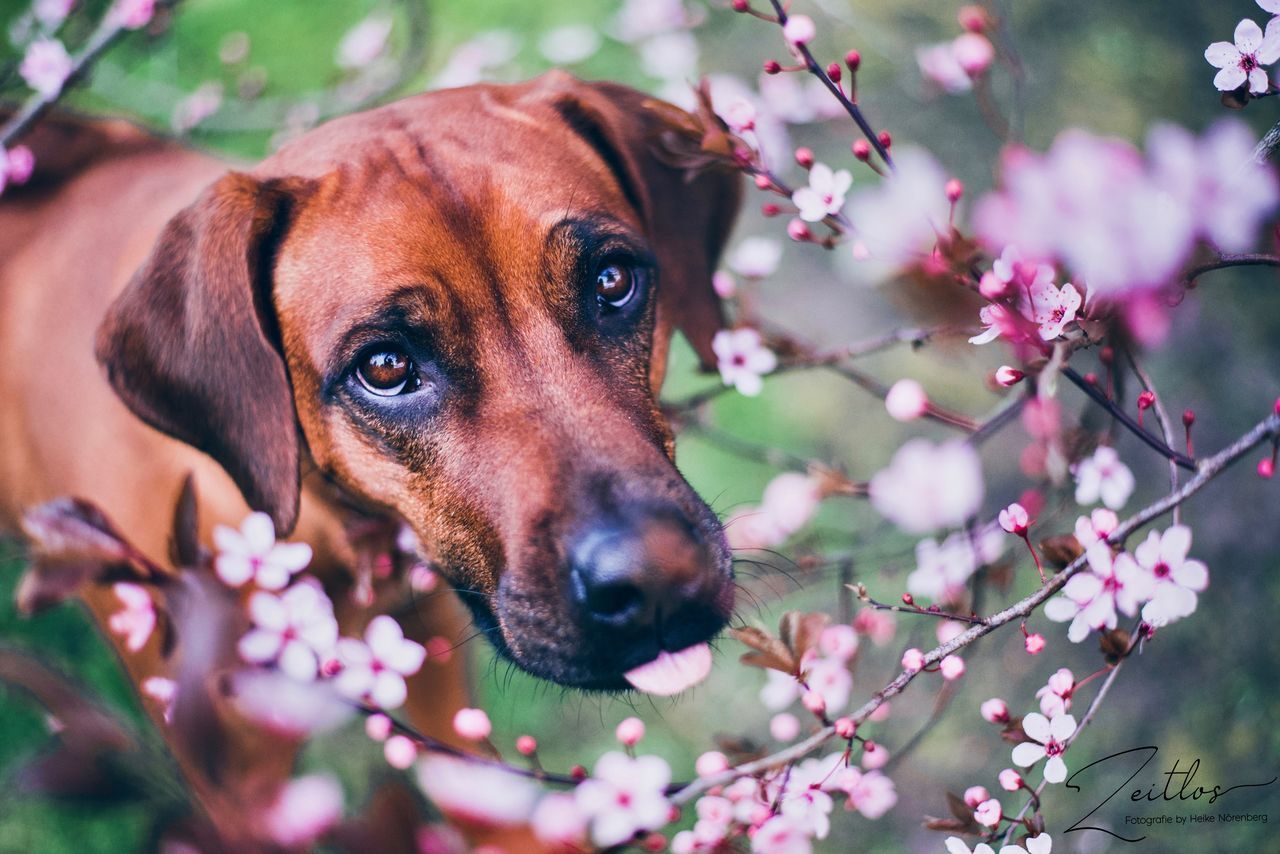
{"type": "Point", "coordinates": [387, 373]}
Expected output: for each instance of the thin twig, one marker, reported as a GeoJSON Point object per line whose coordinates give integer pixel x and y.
{"type": "Point", "coordinates": [1259, 259]}
{"type": "Point", "coordinates": [1162, 417]}
{"type": "Point", "coordinates": [1125, 419]}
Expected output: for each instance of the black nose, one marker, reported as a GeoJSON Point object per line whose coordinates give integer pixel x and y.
{"type": "Point", "coordinates": [628, 575]}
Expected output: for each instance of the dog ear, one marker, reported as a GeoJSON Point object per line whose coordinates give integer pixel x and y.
{"type": "Point", "coordinates": [190, 345]}
{"type": "Point", "coordinates": [688, 203]}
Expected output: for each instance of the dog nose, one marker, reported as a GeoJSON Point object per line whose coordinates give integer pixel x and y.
{"type": "Point", "coordinates": [626, 576]}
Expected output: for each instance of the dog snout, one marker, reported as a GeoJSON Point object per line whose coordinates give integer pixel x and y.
{"type": "Point", "coordinates": [629, 575]}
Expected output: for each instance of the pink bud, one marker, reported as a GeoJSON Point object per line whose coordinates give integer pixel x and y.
{"type": "Point", "coordinates": [886, 140]}
{"type": "Point", "coordinates": [814, 702]}
{"type": "Point", "coordinates": [1188, 417]}
{"type": "Point", "coordinates": [399, 752]}
{"type": "Point", "coordinates": [804, 156]}
{"type": "Point", "coordinates": [861, 149]}
{"type": "Point", "coordinates": [1007, 376]}
{"type": "Point", "coordinates": [988, 813]}
{"type": "Point", "coordinates": [798, 231]}
{"type": "Point", "coordinates": [472, 724]}
{"type": "Point", "coordinates": [913, 660]}
{"type": "Point", "coordinates": [763, 182]}
{"type": "Point", "coordinates": [422, 579]}
{"type": "Point", "coordinates": [723, 284]}
{"type": "Point", "coordinates": [578, 773]}
{"type": "Point", "coordinates": [1010, 780]}
{"type": "Point", "coordinates": [881, 712]}
{"type": "Point", "coordinates": [834, 72]}
{"type": "Point", "coordinates": [21, 163]}
{"type": "Point", "coordinates": [1014, 519]}
{"type": "Point", "coordinates": [741, 5]}
{"type": "Point", "coordinates": [853, 59]}
{"type": "Point", "coordinates": [972, 18]}
{"type": "Point", "coordinates": [992, 286]}
{"type": "Point", "coordinates": [975, 795]}
{"type": "Point", "coordinates": [874, 756]}
{"type": "Point", "coordinates": [1266, 468]}
{"type": "Point", "coordinates": [784, 726]}
{"type": "Point", "coordinates": [770, 209]}
{"type": "Point", "coordinates": [845, 727]}
{"type": "Point", "coordinates": [1035, 644]}
{"type": "Point", "coordinates": [772, 66]}
{"type": "Point", "coordinates": [973, 52]}
{"type": "Point", "coordinates": [799, 29]}
{"type": "Point", "coordinates": [955, 189]}
{"type": "Point", "coordinates": [526, 745]}
{"type": "Point", "coordinates": [906, 401]}
{"type": "Point", "coordinates": [949, 630]}
{"type": "Point", "coordinates": [377, 727]}
{"type": "Point", "coordinates": [630, 731]}
{"type": "Point", "coordinates": [711, 762]}
{"type": "Point", "coordinates": [439, 648]}
{"type": "Point", "coordinates": [1276, 408]}
{"type": "Point", "coordinates": [995, 711]}
{"type": "Point", "coordinates": [952, 667]}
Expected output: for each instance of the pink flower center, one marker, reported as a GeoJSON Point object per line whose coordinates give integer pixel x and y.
{"type": "Point", "coordinates": [624, 799]}
{"type": "Point", "coordinates": [1053, 748]}
{"type": "Point", "coordinates": [1162, 570]}
{"type": "Point", "coordinates": [1248, 62]}
{"type": "Point", "coordinates": [1111, 584]}
{"type": "Point", "coordinates": [738, 360]}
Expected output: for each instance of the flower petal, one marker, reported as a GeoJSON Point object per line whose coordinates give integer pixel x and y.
{"type": "Point", "coordinates": [259, 533]}
{"type": "Point", "coordinates": [1248, 36]}
{"type": "Point", "coordinates": [1230, 78]}
{"type": "Point", "coordinates": [1055, 770]}
{"type": "Point", "coordinates": [1028, 754]}
{"type": "Point", "coordinates": [259, 646]}
{"type": "Point", "coordinates": [268, 611]}
{"type": "Point", "coordinates": [1036, 726]}
{"type": "Point", "coordinates": [1175, 544]}
{"type": "Point", "coordinates": [297, 661]}
{"type": "Point", "coordinates": [1193, 575]}
{"type": "Point", "coordinates": [1062, 727]}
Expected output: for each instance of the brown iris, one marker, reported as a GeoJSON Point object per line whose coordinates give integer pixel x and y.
{"type": "Point", "coordinates": [385, 372]}
{"type": "Point", "coordinates": [615, 285]}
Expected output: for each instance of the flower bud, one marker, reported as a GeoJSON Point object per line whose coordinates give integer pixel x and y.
{"type": "Point", "coordinates": [913, 660]}
{"type": "Point", "coordinates": [952, 667]}
{"type": "Point", "coordinates": [886, 140]}
{"type": "Point", "coordinates": [975, 795]}
{"type": "Point", "coordinates": [770, 209]}
{"type": "Point", "coordinates": [833, 71]}
{"type": "Point", "coordinates": [798, 231]}
{"type": "Point", "coordinates": [711, 762]}
{"type": "Point", "coordinates": [630, 731]}
{"type": "Point", "coordinates": [804, 156]}
{"type": "Point", "coordinates": [526, 745]}
{"type": "Point", "coordinates": [853, 59]}
{"type": "Point", "coordinates": [845, 727]}
{"type": "Point", "coordinates": [472, 724]}
{"type": "Point", "coordinates": [995, 711]}
{"type": "Point", "coordinates": [1266, 468]}
{"type": "Point", "coordinates": [772, 66]}
{"type": "Point", "coordinates": [906, 401]}
{"type": "Point", "coordinates": [1035, 644]}
{"type": "Point", "coordinates": [399, 752]}
{"type": "Point", "coordinates": [1010, 780]}
{"type": "Point", "coordinates": [861, 149]}
{"type": "Point", "coordinates": [799, 29]}
{"type": "Point", "coordinates": [741, 6]}
{"type": "Point", "coordinates": [377, 727]}
{"type": "Point", "coordinates": [784, 726]}
{"type": "Point", "coordinates": [814, 702]}
{"type": "Point", "coordinates": [955, 189]}
{"type": "Point", "coordinates": [1007, 376]}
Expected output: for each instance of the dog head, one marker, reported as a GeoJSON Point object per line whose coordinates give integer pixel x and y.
{"type": "Point", "coordinates": [458, 307]}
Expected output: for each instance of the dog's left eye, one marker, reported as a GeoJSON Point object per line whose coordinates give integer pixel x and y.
{"type": "Point", "coordinates": [387, 373]}
{"type": "Point", "coordinates": [615, 285]}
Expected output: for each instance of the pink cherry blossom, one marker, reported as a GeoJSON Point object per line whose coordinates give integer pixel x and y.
{"type": "Point", "coordinates": [1053, 308]}
{"type": "Point", "coordinates": [364, 42]}
{"type": "Point", "coordinates": [724, 284]}
{"type": "Point", "coordinates": [951, 667]}
{"type": "Point", "coordinates": [472, 724]}
{"type": "Point", "coordinates": [630, 731]}
{"type": "Point", "coordinates": [743, 359]}
{"type": "Point", "coordinates": [1096, 527]}
{"type": "Point", "coordinates": [752, 528]}
{"type": "Point", "coordinates": [997, 321]}
{"type": "Point", "coordinates": [1103, 477]}
{"type": "Point", "coordinates": [252, 553]}
{"type": "Point", "coordinates": [16, 165]}
{"type": "Point", "coordinates": [1242, 62]}
{"type": "Point", "coordinates": [780, 690]}
{"type": "Point", "coordinates": [790, 500]}
{"type": "Point", "coordinates": [994, 711]}
{"type": "Point", "coordinates": [137, 619]}
{"type": "Point", "coordinates": [1010, 780]}
{"type": "Point", "coordinates": [375, 668]}
{"type": "Point", "coordinates": [1090, 599]}
{"type": "Point", "coordinates": [942, 570]}
{"type": "Point", "coordinates": [1039, 844]}
{"type": "Point", "coordinates": [556, 820]}
{"type": "Point", "coordinates": [940, 65]}
{"type": "Point", "coordinates": [929, 486]}
{"type": "Point", "coordinates": [378, 727]}
{"type": "Point", "coordinates": [1014, 519]}
{"type": "Point", "coordinates": [1177, 579]}
{"type": "Point", "coordinates": [1049, 738]}
{"type": "Point", "coordinates": [956, 845]}
{"type": "Point", "coordinates": [869, 792]}
{"type": "Point", "coordinates": [1216, 177]}
{"type": "Point", "coordinates": [292, 630]}
{"type": "Point", "coordinates": [878, 625]}
{"type": "Point", "coordinates": [913, 660]}
{"type": "Point", "coordinates": [1055, 697]}
{"type": "Point", "coordinates": [1034, 644]}
{"type": "Point", "coordinates": [399, 751]}
{"type": "Point", "coordinates": [831, 681]}
{"type": "Point", "coordinates": [624, 796]}
{"type": "Point", "coordinates": [304, 810]}
{"type": "Point", "coordinates": [755, 257]}
{"type": "Point", "coordinates": [134, 14]}
{"type": "Point", "coordinates": [740, 115]}
{"type": "Point", "coordinates": [784, 726]}
{"type": "Point", "coordinates": [906, 400]}
{"type": "Point", "coordinates": [452, 785]}
{"type": "Point", "coordinates": [164, 691]}
{"type": "Point", "coordinates": [988, 813]}
{"type": "Point", "coordinates": [974, 52]}
{"type": "Point", "coordinates": [711, 762]}
{"type": "Point", "coordinates": [45, 66]}
{"type": "Point", "coordinates": [838, 642]}
{"type": "Point", "coordinates": [949, 630]}
{"type": "Point", "coordinates": [1007, 375]}
{"type": "Point", "coordinates": [51, 13]}
{"type": "Point", "coordinates": [897, 223]}
{"type": "Point", "coordinates": [800, 29]}
{"type": "Point", "coordinates": [825, 194]}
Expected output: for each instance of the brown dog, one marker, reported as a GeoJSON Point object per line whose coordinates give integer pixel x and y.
{"type": "Point", "coordinates": [452, 311]}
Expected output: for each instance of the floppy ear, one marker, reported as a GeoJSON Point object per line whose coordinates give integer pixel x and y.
{"type": "Point", "coordinates": [688, 203]}
{"type": "Point", "coordinates": [190, 343]}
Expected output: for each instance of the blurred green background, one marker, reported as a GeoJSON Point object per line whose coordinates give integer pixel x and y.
{"type": "Point", "coordinates": [1206, 688]}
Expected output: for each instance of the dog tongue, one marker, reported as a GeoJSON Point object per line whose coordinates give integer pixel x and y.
{"type": "Point", "coordinates": [672, 672]}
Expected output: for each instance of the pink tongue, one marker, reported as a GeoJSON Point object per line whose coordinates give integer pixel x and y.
{"type": "Point", "coordinates": [672, 672]}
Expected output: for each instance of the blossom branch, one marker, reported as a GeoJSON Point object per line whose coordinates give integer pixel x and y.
{"type": "Point", "coordinates": [1125, 419]}
{"type": "Point", "coordinates": [1266, 430]}
{"type": "Point", "coordinates": [1162, 418]}
{"type": "Point", "coordinates": [1256, 259]}
{"type": "Point", "coordinates": [103, 36]}
{"type": "Point", "coordinates": [850, 107]}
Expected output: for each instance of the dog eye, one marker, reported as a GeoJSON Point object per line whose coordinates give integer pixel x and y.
{"type": "Point", "coordinates": [387, 373]}
{"type": "Point", "coordinates": [615, 285]}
